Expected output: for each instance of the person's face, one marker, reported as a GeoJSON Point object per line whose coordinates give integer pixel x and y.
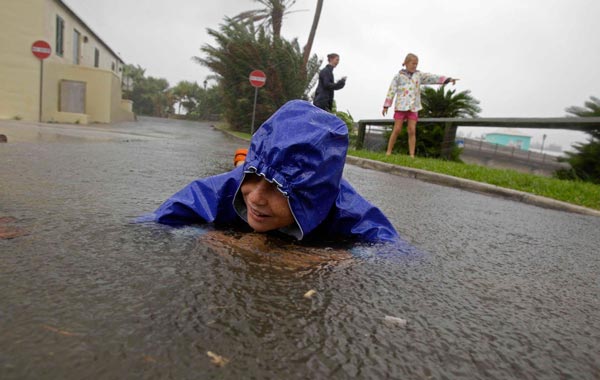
{"type": "Point", "coordinates": [334, 61]}
{"type": "Point", "coordinates": [268, 208]}
{"type": "Point", "coordinates": [411, 65]}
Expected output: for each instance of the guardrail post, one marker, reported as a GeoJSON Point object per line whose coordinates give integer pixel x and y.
{"type": "Point", "coordinates": [448, 142]}
{"type": "Point", "coordinates": [360, 139]}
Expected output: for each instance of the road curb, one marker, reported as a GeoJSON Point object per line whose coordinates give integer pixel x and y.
{"type": "Point", "coordinates": [469, 185]}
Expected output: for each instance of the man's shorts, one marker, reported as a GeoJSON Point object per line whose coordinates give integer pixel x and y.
{"type": "Point", "coordinates": [406, 115]}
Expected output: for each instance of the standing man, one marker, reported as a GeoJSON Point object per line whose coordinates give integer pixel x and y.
{"type": "Point", "coordinates": [324, 93]}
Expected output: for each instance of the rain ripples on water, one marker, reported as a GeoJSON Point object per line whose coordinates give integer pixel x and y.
{"type": "Point", "coordinates": [494, 290]}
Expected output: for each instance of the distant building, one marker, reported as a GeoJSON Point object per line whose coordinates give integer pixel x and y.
{"type": "Point", "coordinates": [82, 77]}
{"type": "Point", "coordinates": [510, 138]}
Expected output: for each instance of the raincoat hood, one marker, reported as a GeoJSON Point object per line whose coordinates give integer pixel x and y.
{"type": "Point", "coordinates": [302, 149]}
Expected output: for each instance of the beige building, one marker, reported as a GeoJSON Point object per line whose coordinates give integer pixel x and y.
{"type": "Point", "coordinates": [81, 78]}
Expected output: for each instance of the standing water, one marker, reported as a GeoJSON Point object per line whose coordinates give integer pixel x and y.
{"type": "Point", "coordinates": [501, 290]}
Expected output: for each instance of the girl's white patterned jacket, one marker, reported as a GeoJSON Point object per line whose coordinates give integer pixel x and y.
{"type": "Point", "coordinates": [406, 87]}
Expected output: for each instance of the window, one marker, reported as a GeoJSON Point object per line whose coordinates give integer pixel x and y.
{"type": "Point", "coordinates": [76, 46]}
{"type": "Point", "coordinates": [96, 57]}
{"type": "Point", "coordinates": [60, 29]}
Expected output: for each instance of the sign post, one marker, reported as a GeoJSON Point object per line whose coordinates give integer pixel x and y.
{"type": "Point", "coordinates": [257, 79]}
{"type": "Point", "coordinates": [42, 50]}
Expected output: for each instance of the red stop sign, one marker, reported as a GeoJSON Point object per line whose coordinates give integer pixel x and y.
{"type": "Point", "coordinates": [41, 49]}
{"type": "Point", "coordinates": [257, 78]}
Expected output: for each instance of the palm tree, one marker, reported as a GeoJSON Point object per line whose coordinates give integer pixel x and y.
{"type": "Point", "coordinates": [441, 103]}
{"type": "Point", "coordinates": [188, 95]}
{"type": "Point", "coordinates": [585, 161]}
{"type": "Point", "coordinates": [591, 109]}
{"type": "Point", "coordinates": [240, 47]}
{"type": "Point", "coordinates": [313, 32]}
{"type": "Point", "coordinates": [272, 15]}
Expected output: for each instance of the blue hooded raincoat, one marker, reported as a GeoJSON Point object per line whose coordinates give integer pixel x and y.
{"type": "Point", "coordinates": [302, 149]}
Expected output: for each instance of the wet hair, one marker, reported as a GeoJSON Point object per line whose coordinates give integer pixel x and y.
{"type": "Point", "coordinates": [410, 56]}
{"type": "Point", "coordinates": [332, 56]}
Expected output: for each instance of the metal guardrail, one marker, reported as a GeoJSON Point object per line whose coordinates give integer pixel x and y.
{"type": "Point", "coordinates": [452, 124]}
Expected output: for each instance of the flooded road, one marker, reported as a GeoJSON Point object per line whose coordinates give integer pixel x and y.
{"type": "Point", "coordinates": [502, 290]}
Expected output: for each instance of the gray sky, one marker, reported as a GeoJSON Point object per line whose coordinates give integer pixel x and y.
{"type": "Point", "coordinates": [520, 58]}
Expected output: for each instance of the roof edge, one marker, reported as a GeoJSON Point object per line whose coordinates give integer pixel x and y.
{"type": "Point", "coordinates": [72, 13]}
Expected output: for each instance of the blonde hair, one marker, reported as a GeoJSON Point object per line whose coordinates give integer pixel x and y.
{"type": "Point", "coordinates": [409, 56]}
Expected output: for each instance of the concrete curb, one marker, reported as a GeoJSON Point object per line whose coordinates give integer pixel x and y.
{"type": "Point", "coordinates": [241, 139]}
{"type": "Point", "coordinates": [469, 185]}
{"type": "Point", "coordinates": [461, 183]}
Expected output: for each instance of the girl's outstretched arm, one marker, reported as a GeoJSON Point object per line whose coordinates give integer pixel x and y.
{"type": "Point", "coordinates": [427, 78]}
{"type": "Point", "coordinates": [453, 80]}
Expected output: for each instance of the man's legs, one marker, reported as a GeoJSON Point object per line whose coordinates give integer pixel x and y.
{"type": "Point", "coordinates": [322, 106]}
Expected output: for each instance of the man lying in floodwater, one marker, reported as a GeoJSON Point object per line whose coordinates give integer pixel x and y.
{"type": "Point", "coordinates": [290, 183]}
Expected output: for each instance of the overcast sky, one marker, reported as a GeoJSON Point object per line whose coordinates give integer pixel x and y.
{"type": "Point", "coordinates": [520, 58]}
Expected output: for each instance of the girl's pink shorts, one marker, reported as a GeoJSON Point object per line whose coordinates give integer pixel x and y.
{"type": "Point", "coordinates": [406, 115]}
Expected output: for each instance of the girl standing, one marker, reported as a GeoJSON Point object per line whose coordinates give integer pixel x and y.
{"type": "Point", "coordinates": [406, 88]}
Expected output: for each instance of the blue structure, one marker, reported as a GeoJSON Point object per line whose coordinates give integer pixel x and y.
{"type": "Point", "coordinates": [509, 138]}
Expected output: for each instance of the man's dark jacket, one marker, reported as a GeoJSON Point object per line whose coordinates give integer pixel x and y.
{"type": "Point", "coordinates": [324, 93]}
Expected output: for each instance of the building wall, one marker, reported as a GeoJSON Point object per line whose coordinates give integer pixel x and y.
{"type": "Point", "coordinates": [24, 21]}
{"type": "Point", "coordinates": [97, 95]}
{"type": "Point", "coordinates": [20, 25]}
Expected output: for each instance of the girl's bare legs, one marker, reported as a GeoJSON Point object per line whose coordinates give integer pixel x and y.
{"type": "Point", "coordinates": [394, 136]}
{"type": "Point", "coordinates": [411, 127]}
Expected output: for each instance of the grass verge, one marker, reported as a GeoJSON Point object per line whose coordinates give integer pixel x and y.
{"type": "Point", "coordinates": [576, 192]}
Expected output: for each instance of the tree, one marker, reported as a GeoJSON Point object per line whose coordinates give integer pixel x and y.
{"type": "Point", "coordinates": [439, 102]}
{"type": "Point", "coordinates": [585, 161]}
{"type": "Point", "coordinates": [198, 103]}
{"type": "Point", "coordinates": [210, 106]}
{"type": "Point", "coordinates": [188, 95]}
{"type": "Point", "coordinates": [131, 74]}
{"type": "Point", "coordinates": [271, 15]}
{"type": "Point", "coordinates": [313, 32]}
{"type": "Point", "coordinates": [150, 96]}
{"type": "Point", "coordinates": [591, 109]}
{"type": "Point", "coordinates": [240, 48]}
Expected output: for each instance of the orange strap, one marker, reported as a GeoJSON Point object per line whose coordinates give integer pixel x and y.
{"type": "Point", "coordinates": [240, 155]}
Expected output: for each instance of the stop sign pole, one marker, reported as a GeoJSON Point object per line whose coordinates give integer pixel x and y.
{"type": "Point", "coordinates": [42, 50]}
{"type": "Point", "coordinates": [257, 79]}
